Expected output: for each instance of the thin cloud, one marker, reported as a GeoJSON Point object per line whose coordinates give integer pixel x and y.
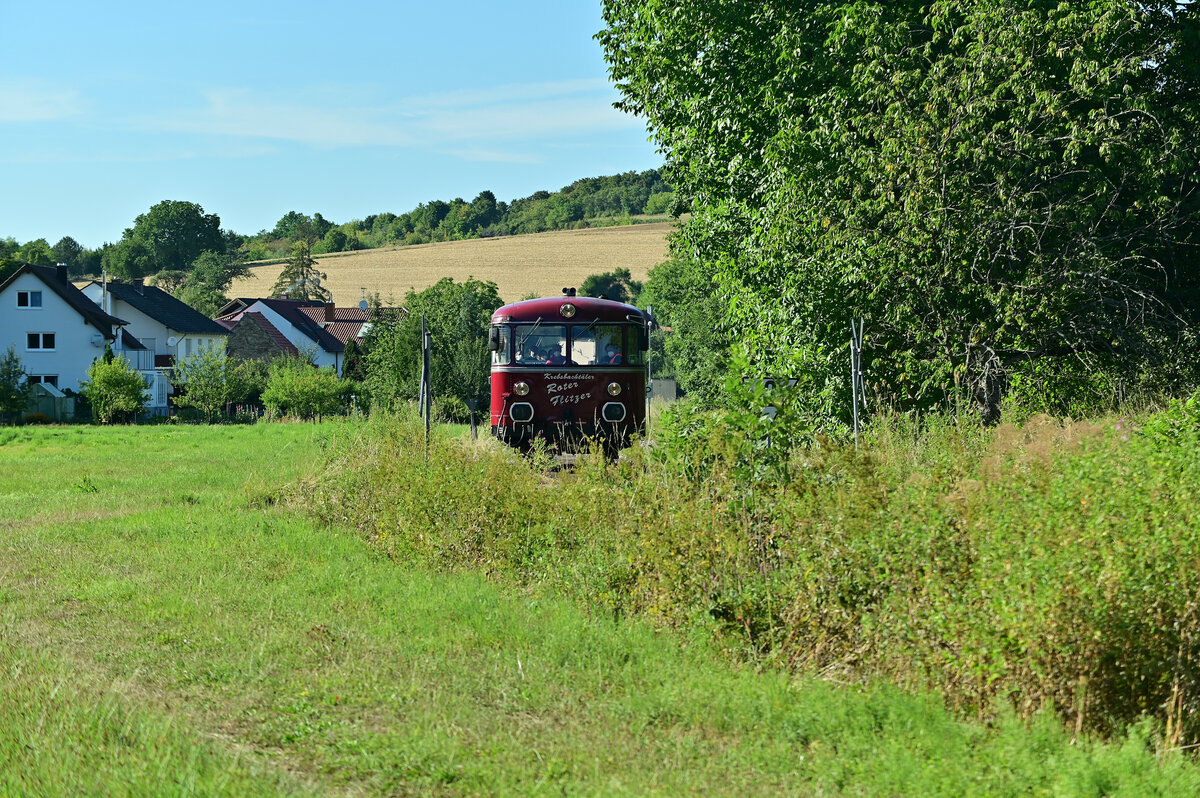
{"type": "Point", "coordinates": [37, 101]}
{"type": "Point", "coordinates": [510, 93]}
{"type": "Point", "coordinates": [242, 113]}
{"type": "Point", "coordinates": [480, 155]}
{"type": "Point", "coordinates": [505, 113]}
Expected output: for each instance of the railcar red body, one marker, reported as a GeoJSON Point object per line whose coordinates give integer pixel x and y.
{"type": "Point", "coordinates": [567, 369]}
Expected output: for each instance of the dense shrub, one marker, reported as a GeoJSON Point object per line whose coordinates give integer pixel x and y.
{"type": "Point", "coordinates": [15, 388]}
{"type": "Point", "coordinates": [114, 389]}
{"type": "Point", "coordinates": [297, 388]}
{"type": "Point", "coordinates": [1047, 566]}
{"type": "Point", "coordinates": [210, 381]}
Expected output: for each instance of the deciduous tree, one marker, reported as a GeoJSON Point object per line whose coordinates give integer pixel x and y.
{"type": "Point", "coordinates": [36, 252]}
{"type": "Point", "coordinates": [68, 251]}
{"type": "Point", "coordinates": [210, 381]}
{"type": "Point", "coordinates": [297, 388]}
{"type": "Point", "coordinates": [1007, 193]}
{"type": "Point", "coordinates": [205, 285]}
{"type": "Point", "coordinates": [170, 236]}
{"type": "Point", "coordinates": [617, 285]}
{"type": "Point", "coordinates": [684, 297]}
{"type": "Point", "coordinates": [458, 316]}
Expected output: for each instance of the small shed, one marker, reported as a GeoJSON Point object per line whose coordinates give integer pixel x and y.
{"type": "Point", "coordinates": [51, 402]}
{"type": "Point", "coordinates": [666, 390]}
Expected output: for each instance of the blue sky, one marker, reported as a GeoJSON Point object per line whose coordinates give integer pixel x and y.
{"type": "Point", "coordinates": [253, 109]}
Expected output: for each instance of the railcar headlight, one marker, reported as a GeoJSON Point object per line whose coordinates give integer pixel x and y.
{"type": "Point", "coordinates": [521, 389]}
{"type": "Point", "coordinates": [614, 389]}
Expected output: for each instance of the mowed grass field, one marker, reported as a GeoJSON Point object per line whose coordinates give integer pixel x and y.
{"type": "Point", "coordinates": [541, 263]}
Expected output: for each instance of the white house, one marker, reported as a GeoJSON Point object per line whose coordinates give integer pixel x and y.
{"type": "Point", "coordinates": [56, 330]}
{"type": "Point", "coordinates": [164, 328]}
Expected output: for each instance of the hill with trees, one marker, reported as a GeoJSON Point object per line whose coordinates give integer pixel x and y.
{"type": "Point", "coordinates": [584, 203]}
{"type": "Point", "coordinates": [185, 250]}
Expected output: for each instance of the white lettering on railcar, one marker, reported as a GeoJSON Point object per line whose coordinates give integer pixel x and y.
{"type": "Point", "coordinates": [567, 375]}
{"type": "Point", "coordinates": [569, 398]}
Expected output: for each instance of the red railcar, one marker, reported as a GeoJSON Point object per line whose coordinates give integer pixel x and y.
{"type": "Point", "coordinates": [568, 369]}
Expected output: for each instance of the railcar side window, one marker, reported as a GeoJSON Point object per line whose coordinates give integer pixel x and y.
{"type": "Point", "coordinates": [503, 352]}
{"type": "Point", "coordinates": [634, 354]}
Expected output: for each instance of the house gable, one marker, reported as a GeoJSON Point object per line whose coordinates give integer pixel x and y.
{"type": "Point", "coordinates": [55, 330]}
{"type": "Point", "coordinates": [253, 337]}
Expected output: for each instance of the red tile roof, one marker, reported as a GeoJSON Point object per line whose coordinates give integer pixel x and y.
{"type": "Point", "coordinates": [344, 331]}
{"type": "Point", "coordinates": [339, 314]}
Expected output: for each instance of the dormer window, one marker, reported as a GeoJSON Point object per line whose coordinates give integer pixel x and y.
{"type": "Point", "coordinates": [29, 299]}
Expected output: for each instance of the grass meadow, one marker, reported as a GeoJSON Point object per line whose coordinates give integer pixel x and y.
{"type": "Point", "coordinates": [540, 264]}
{"type": "Point", "coordinates": [181, 613]}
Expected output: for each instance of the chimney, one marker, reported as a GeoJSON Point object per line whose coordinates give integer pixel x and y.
{"type": "Point", "coordinates": [329, 312]}
{"type": "Point", "coordinates": [138, 285]}
{"type": "Point", "coordinates": [60, 271]}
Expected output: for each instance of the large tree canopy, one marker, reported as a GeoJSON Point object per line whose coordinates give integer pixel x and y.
{"type": "Point", "coordinates": [1006, 191]}
{"type": "Point", "coordinates": [168, 237]}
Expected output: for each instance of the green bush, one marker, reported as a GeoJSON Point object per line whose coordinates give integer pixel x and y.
{"type": "Point", "coordinates": [297, 388]}
{"type": "Point", "coordinates": [114, 390]}
{"type": "Point", "coordinates": [15, 388]}
{"type": "Point", "coordinates": [211, 381]}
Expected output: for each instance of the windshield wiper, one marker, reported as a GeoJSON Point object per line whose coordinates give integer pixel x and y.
{"type": "Point", "coordinates": [536, 324]}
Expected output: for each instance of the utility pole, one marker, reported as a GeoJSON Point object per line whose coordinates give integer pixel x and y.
{"type": "Point", "coordinates": [857, 386]}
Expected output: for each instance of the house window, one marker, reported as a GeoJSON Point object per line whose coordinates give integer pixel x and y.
{"type": "Point", "coordinates": [39, 342]}
{"type": "Point", "coordinates": [49, 379]}
{"type": "Point", "coordinates": [29, 299]}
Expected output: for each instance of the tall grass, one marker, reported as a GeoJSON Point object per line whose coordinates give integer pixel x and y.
{"type": "Point", "coordinates": [1048, 567]}
{"type": "Point", "coordinates": [169, 626]}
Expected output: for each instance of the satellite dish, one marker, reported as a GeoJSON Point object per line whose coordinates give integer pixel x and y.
{"type": "Point", "coordinates": [97, 339]}
{"type": "Point", "coordinates": [172, 341]}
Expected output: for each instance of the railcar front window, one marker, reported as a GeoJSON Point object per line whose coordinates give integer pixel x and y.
{"type": "Point", "coordinates": [599, 345]}
{"type": "Point", "coordinates": [541, 344]}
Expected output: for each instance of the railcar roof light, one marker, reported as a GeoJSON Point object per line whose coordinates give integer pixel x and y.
{"type": "Point", "coordinates": [567, 310]}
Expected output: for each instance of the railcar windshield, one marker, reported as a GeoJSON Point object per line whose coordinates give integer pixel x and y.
{"type": "Point", "coordinates": [544, 344]}
{"type": "Point", "coordinates": [599, 345]}
{"type": "Point", "coordinates": [593, 344]}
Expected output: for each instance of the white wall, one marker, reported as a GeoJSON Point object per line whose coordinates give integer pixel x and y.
{"type": "Point", "coordinates": [74, 349]}
{"type": "Point", "coordinates": [299, 339]}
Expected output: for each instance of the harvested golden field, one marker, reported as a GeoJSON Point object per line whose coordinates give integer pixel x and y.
{"type": "Point", "coordinates": [541, 264]}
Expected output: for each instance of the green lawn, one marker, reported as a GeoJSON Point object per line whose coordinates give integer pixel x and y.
{"type": "Point", "coordinates": [166, 629]}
